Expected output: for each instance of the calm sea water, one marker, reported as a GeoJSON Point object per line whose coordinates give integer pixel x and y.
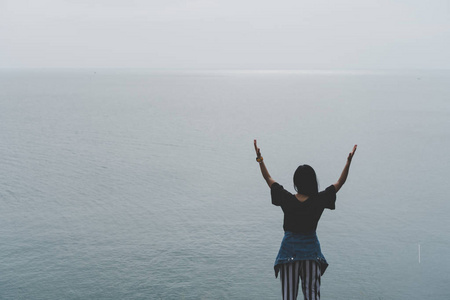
{"type": "Point", "coordinates": [134, 184]}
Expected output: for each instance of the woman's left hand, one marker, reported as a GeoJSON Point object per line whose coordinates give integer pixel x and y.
{"type": "Point", "coordinates": [257, 150]}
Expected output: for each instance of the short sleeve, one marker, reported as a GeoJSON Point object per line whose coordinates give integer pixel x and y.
{"type": "Point", "coordinates": [328, 197]}
{"type": "Point", "coordinates": [278, 194]}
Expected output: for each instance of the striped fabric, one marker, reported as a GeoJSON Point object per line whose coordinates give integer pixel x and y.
{"type": "Point", "coordinates": [306, 270]}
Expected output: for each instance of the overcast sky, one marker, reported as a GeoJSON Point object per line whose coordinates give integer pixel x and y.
{"type": "Point", "coordinates": [226, 34]}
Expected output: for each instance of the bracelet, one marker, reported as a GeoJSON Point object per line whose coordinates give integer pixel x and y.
{"type": "Point", "coordinates": [259, 159]}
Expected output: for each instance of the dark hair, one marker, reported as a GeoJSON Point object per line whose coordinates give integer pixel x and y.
{"type": "Point", "coordinates": [305, 181]}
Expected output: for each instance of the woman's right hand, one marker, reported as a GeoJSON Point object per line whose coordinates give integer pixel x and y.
{"type": "Point", "coordinates": [344, 173]}
{"type": "Point", "coordinates": [350, 155]}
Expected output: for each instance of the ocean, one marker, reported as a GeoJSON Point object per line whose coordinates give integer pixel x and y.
{"type": "Point", "coordinates": [143, 184]}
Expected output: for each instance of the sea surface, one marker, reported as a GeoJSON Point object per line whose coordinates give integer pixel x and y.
{"type": "Point", "coordinates": [142, 184]}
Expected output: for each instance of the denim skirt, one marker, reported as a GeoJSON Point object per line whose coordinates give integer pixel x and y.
{"type": "Point", "coordinates": [300, 246]}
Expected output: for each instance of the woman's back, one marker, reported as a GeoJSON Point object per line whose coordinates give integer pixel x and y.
{"type": "Point", "coordinates": [302, 217]}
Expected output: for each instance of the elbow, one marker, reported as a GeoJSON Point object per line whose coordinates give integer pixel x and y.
{"type": "Point", "coordinates": [338, 185]}
{"type": "Point", "coordinates": [269, 181]}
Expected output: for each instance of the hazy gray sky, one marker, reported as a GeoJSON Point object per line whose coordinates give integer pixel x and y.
{"type": "Point", "coordinates": [231, 34]}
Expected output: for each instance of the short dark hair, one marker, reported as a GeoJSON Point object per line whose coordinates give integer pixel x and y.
{"type": "Point", "coordinates": [305, 181]}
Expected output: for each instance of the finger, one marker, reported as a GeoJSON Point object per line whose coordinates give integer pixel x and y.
{"type": "Point", "coordinates": [354, 149]}
{"type": "Point", "coordinates": [254, 143]}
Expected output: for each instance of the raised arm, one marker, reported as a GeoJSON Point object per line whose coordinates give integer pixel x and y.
{"type": "Point", "coordinates": [262, 166]}
{"type": "Point", "coordinates": [344, 174]}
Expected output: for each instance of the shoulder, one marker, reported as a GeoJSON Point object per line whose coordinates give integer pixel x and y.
{"type": "Point", "coordinates": [278, 188]}
{"type": "Point", "coordinates": [275, 186]}
{"type": "Point", "coordinates": [329, 190]}
{"type": "Point", "coordinates": [279, 194]}
{"type": "Point", "coordinates": [327, 197]}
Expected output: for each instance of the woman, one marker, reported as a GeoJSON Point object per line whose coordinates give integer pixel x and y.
{"type": "Point", "coordinates": [300, 254]}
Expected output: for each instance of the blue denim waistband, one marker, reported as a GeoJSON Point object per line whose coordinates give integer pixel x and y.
{"type": "Point", "coordinates": [299, 246]}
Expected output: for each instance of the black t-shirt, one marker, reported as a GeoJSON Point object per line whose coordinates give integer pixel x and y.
{"type": "Point", "coordinates": [302, 217]}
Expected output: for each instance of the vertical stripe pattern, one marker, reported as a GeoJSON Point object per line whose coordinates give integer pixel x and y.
{"type": "Point", "coordinates": [308, 271]}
